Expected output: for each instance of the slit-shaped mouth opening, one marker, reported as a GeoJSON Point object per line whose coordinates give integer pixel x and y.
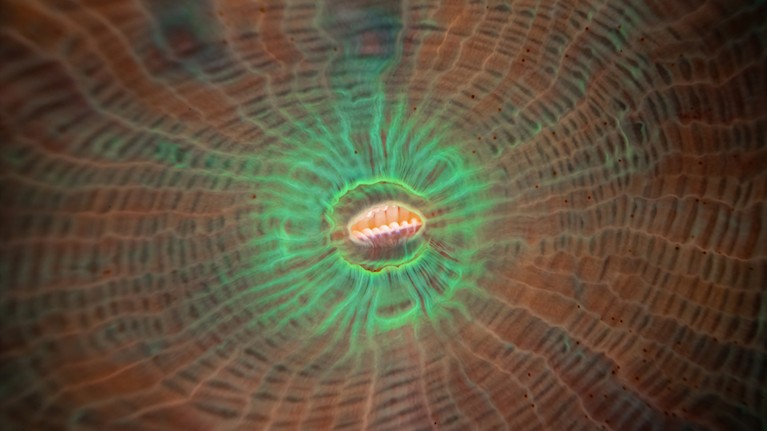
{"type": "Point", "coordinates": [386, 224]}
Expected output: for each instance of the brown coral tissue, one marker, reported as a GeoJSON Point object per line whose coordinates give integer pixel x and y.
{"type": "Point", "coordinates": [383, 215]}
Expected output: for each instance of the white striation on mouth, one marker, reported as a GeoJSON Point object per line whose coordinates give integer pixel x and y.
{"type": "Point", "coordinates": [385, 224]}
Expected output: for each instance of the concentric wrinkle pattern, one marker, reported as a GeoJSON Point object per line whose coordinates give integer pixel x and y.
{"type": "Point", "coordinates": [176, 179]}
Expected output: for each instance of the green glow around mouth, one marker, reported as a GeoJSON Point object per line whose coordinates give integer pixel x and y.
{"type": "Point", "coordinates": [305, 267]}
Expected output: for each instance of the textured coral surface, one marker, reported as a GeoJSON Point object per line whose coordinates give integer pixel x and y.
{"type": "Point", "coordinates": [176, 177]}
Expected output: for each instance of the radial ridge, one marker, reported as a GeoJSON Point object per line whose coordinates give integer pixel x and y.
{"type": "Point", "coordinates": [383, 215]}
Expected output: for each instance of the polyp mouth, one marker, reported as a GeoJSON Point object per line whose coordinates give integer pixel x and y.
{"type": "Point", "coordinates": [384, 225]}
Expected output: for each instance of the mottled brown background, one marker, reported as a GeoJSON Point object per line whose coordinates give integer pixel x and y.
{"type": "Point", "coordinates": [627, 146]}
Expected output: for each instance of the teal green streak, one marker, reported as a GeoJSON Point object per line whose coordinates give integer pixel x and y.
{"type": "Point", "coordinates": [171, 154]}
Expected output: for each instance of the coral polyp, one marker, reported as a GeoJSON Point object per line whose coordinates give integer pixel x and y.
{"type": "Point", "coordinates": [383, 215]}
